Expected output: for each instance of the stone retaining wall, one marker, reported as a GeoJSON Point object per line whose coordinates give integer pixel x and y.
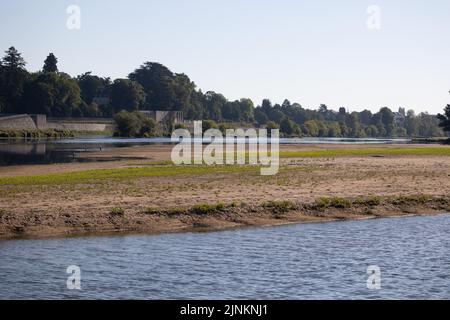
{"type": "Point", "coordinates": [39, 121]}
{"type": "Point", "coordinates": [17, 122]}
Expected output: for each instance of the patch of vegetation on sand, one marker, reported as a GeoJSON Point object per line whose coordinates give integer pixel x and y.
{"type": "Point", "coordinates": [334, 202]}
{"type": "Point", "coordinates": [386, 151]}
{"type": "Point", "coordinates": [374, 201]}
{"type": "Point", "coordinates": [198, 209]}
{"type": "Point", "coordinates": [411, 199]}
{"type": "Point", "coordinates": [96, 176]}
{"type": "Point", "coordinates": [205, 208]}
{"type": "Point", "coordinates": [280, 206]}
{"type": "Point", "coordinates": [117, 211]}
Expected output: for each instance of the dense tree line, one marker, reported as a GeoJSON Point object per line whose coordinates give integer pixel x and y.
{"type": "Point", "coordinates": [293, 119]}
{"type": "Point", "coordinates": [153, 86]}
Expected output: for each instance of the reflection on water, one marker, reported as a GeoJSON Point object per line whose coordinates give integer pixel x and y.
{"type": "Point", "coordinates": [309, 261]}
{"type": "Point", "coordinates": [40, 153]}
{"type": "Point", "coordinates": [68, 150]}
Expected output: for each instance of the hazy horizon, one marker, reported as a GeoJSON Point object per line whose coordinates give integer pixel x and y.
{"type": "Point", "coordinates": [309, 53]}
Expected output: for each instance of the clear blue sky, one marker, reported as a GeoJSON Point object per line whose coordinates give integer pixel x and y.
{"type": "Point", "coordinates": [310, 52]}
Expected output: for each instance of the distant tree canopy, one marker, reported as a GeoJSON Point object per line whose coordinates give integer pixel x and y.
{"type": "Point", "coordinates": [152, 86]}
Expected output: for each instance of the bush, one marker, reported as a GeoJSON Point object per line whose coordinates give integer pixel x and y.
{"type": "Point", "coordinates": [413, 199]}
{"type": "Point", "coordinates": [117, 211]}
{"type": "Point", "coordinates": [204, 209]}
{"type": "Point", "coordinates": [334, 202]}
{"type": "Point", "coordinates": [134, 124]}
{"type": "Point", "coordinates": [371, 201]}
{"type": "Point", "coordinates": [280, 206]}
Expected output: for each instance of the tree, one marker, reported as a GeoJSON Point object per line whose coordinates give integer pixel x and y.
{"type": "Point", "coordinates": [13, 59]}
{"type": "Point", "coordinates": [445, 119]}
{"type": "Point", "coordinates": [260, 116]}
{"type": "Point", "coordinates": [353, 123]}
{"type": "Point", "coordinates": [276, 115]}
{"type": "Point", "coordinates": [126, 95]}
{"type": "Point", "coordinates": [214, 104]}
{"type": "Point", "coordinates": [365, 117]}
{"type": "Point", "coordinates": [183, 88]}
{"type": "Point", "coordinates": [13, 77]}
{"type": "Point", "coordinates": [50, 64]}
{"type": "Point", "coordinates": [92, 86]}
{"type": "Point", "coordinates": [53, 94]}
{"type": "Point", "coordinates": [387, 119]}
{"type": "Point", "coordinates": [287, 127]}
{"type": "Point", "coordinates": [159, 86]}
{"type": "Point", "coordinates": [311, 128]}
{"type": "Point", "coordinates": [266, 105]}
{"type": "Point", "coordinates": [246, 110]}
{"type": "Point", "coordinates": [411, 124]}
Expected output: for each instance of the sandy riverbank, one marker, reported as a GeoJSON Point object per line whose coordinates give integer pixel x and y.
{"type": "Point", "coordinates": [148, 195]}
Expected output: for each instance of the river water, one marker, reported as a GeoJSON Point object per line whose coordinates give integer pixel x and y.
{"type": "Point", "coordinates": [305, 261]}
{"type": "Point", "coordinates": [71, 150]}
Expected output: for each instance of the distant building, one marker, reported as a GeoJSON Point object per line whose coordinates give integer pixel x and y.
{"type": "Point", "coordinates": [175, 117]}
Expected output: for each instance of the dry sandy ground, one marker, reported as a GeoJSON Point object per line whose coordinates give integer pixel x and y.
{"type": "Point", "coordinates": [49, 210]}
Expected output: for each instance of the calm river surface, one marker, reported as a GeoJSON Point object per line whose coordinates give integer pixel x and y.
{"type": "Point", "coordinates": [309, 261]}
{"type": "Point", "coordinates": [68, 150]}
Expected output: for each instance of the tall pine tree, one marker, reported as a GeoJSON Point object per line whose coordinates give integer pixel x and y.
{"type": "Point", "coordinates": [50, 64]}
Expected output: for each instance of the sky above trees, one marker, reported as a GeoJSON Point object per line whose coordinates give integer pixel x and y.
{"type": "Point", "coordinates": [312, 52]}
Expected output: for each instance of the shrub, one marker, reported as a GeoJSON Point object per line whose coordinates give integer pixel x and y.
{"type": "Point", "coordinates": [134, 124]}
{"type": "Point", "coordinates": [370, 201]}
{"type": "Point", "coordinates": [333, 202]}
{"type": "Point", "coordinates": [204, 209]}
{"type": "Point", "coordinates": [151, 211]}
{"type": "Point", "coordinates": [117, 211]}
{"type": "Point", "coordinates": [280, 206]}
{"type": "Point", "coordinates": [413, 199]}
